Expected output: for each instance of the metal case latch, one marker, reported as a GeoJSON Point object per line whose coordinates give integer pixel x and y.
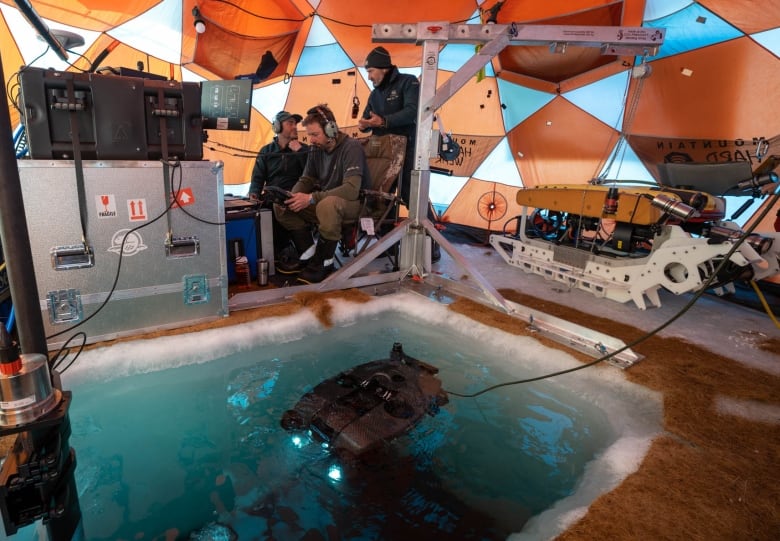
{"type": "Point", "coordinates": [196, 289]}
{"type": "Point", "coordinates": [65, 306]}
{"type": "Point", "coordinates": [75, 256]}
{"type": "Point", "coordinates": [176, 247]}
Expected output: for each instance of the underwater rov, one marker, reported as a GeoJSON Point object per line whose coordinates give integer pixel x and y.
{"type": "Point", "coordinates": [374, 402]}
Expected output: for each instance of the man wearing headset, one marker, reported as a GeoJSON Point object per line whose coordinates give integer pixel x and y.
{"type": "Point", "coordinates": [279, 163]}
{"type": "Point", "coordinates": [327, 194]}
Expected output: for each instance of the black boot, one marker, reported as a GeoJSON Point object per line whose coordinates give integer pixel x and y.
{"type": "Point", "coordinates": [435, 251]}
{"type": "Point", "coordinates": [321, 264]}
{"type": "Point", "coordinates": [302, 240]}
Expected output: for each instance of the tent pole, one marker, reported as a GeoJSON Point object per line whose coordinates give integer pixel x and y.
{"type": "Point", "coordinates": [16, 243]}
{"type": "Point", "coordinates": [413, 244]}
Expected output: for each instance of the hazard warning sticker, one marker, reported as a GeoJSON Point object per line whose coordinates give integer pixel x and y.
{"type": "Point", "coordinates": [106, 206]}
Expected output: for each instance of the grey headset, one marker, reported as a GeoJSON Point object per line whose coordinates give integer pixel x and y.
{"type": "Point", "coordinates": [276, 125]}
{"type": "Point", "coordinates": [330, 127]}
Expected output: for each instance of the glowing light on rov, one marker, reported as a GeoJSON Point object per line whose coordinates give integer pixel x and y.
{"type": "Point", "coordinates": [334, 472]}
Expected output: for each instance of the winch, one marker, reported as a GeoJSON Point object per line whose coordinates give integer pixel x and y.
{"type": "Point", "coordinates": [26, 392]}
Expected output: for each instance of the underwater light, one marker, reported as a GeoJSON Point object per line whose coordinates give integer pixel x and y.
{"type": "Point", "coordinates": [673, 207]}
{"type": "Point", "coordinates": [334, 472]}
{"type": "Point", "coordinates": [758, 181]}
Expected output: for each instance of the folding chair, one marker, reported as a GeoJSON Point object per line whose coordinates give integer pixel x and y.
{"type": "Point", "coordinates": [385, 159]}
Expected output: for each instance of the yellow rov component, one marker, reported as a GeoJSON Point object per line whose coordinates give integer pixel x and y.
{"type": "Point", "coordinates": [634, 202]}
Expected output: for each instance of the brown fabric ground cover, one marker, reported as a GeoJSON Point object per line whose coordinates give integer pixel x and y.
{"type": "Point", "coordinates": [712, 476]}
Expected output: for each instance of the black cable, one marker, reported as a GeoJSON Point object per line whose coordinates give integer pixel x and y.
{"type": "Point", "coordinates": [9, 89]}
{"type": "Point", "coordinates": [336, 21]}
{"type": "Point", "coordinates": [651, 333]}
{"type": "Point", "coordinates": [56, 360]}
{"type": "Point", "coordinates": [287, 19]}
{"type": "Point", "coordinates": [14, 96]}
{"type": "Point", "coordinates": [81, 56]}
{"type": "Point", "coordinates": [176, 193]}
{"type": "Point", "coordinates": [246, 11]}
{"type": "Point", "coordinates": [12, 91]}
{"type": "Point", "coordinates": [518, 218]}
{"type": "Point", "coordinates": [196, 218]}
{"type": "Point", "coordinates": [254, 154]}
{"type": "Point", "coordinates": [248, 156]}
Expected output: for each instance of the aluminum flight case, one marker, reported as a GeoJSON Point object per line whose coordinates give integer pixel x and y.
{"type": "Point", "coordinates": [151, 261]}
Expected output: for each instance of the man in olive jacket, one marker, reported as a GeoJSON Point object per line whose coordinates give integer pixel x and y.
{"type": "Point", "coordinates": [326, 195]}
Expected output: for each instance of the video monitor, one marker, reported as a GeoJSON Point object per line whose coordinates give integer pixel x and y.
{"type": "Point", "coordinates": [115, 117]}
{"type": "Point", "coordinates": [178, 104]}
{"type": "Point", "coordinates": [226, 105]}
{"type": "Point", "coordinates": [106, 112]}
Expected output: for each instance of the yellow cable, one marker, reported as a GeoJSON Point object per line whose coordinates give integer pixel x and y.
{"type": "Point", "coordinates": [764, 303]}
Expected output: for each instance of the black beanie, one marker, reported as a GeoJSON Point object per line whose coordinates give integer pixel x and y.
{"type": "Point", "coordinates": [379, 58]}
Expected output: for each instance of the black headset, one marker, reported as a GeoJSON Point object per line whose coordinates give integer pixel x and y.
{"type": "Point", "coordinates": [330, 127]}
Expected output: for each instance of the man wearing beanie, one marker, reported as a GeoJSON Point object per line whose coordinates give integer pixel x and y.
{"type": "Point", "coordinates": [392, 108]}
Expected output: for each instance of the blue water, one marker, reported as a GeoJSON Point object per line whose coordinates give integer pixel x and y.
{"type": "Point", "coordinates": [163, 454]}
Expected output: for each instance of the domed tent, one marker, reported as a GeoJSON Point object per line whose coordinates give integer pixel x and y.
{"type": "Point", "coordinates": [535, 115]}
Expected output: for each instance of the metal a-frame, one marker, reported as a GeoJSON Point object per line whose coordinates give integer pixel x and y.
{"type": "Point", "coordinates": [412, 233]}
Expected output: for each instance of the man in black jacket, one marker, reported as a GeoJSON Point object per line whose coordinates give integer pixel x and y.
{"type": "Point", "coordinates": [279, 163]}
{"type": "Point", "coordinates": [392, 108]}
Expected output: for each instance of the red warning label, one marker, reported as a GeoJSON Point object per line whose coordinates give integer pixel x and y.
{"type": "Point", "coordinates": [106, 206]}
{"type": "Point", "coordinates": [136, 209]}
{"type": "Point", "coordinates": [183, 197]}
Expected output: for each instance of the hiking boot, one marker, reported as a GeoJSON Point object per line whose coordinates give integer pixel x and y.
{"type": "Point", "coordinates": [435, 251]}
{"type": "Point", "coordinates": [293, 265]}
{"type": "Point", "coordinates": [305, 246]}
{"type": "Point", "coordinates": [314, 274]}
{"type": "Point", "coordinates": [321, 264]}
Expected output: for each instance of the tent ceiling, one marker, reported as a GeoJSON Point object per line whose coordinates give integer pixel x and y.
{"type": "Point", "coordinates": [537, 116]}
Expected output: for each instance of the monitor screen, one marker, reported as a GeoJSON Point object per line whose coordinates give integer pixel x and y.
{"type": "Point", "coordinates": [176, 106]}
{"type": "Point", "coordinates": [115, 117]}
{"type": "Point", "coordinates": [226, 105]}
{"type": "Point", "coordinates": [104, 112]}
